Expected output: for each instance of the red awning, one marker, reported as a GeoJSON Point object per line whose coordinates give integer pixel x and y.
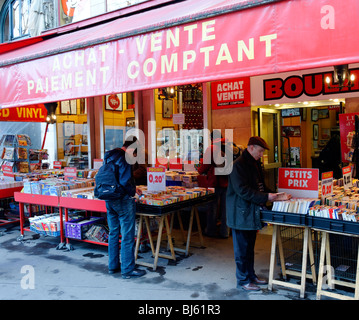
{"type": "Point", "coordinates": [189, 41]}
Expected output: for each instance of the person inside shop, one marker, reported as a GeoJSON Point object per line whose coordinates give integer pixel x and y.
{"type": "Point", "coordinates": [330, 156]}
{"type": "Point", "coordinates": [140, 170]}
{"type": "Point", "coordinates": [246, 195]}
{"type": "Point", "coordinates": [216, 210]}
{"type": "Point", "coordinates": [121, 214]}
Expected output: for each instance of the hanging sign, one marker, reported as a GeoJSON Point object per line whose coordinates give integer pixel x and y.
{"type": "Point", "coordinates": [35, 113]}
{"type": "Point", "coordinates": [300, 183]}
{"type": "Point", "coordinates": [347, 177]}
{"type": "Point", "coordinates": [156, 179]}
{"type": "Point", "coordinates": [231, 93]}
{"type": "Point", "coordinates": [327, 184]}
{"type": "Point", "coordinates": [178, 118]}
{"type": "Point", "coordinates": [347, 131]}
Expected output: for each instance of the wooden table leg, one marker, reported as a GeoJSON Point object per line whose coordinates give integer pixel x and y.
{"type": "Point", "coordinates": [321, 264]}
{"type": "Point", "coordinates": [158, 244]}
{"type": "Point", "coordinates": [272, 257]}
{"type": "Point", "coordinates": [139, 233]}
{"type": "Point", "coordinates": [304, 262]}
{"type": "Point", "coordinates": [189, 231]}
{"type": "Point", "coordinates": [149, 233]}
{"type": "Point", "coordinates": [281, 254]}
{"type": "Point", "coordinates": [311, 258]}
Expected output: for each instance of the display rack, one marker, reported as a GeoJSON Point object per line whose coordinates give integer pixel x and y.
{"type": "Point", "coordinates": [143, 210]}
{"type": "Point", "coordinates": [5, 194]}
{"type": "Point", "coordinates": [36, 199]}
{"type": "Point", "coordinates": [16, 152]}
{"type": "Point", "coordinates": [92, 205]}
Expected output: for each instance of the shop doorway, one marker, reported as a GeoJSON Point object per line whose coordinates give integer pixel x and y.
{"type": "Point", "coordinates": [269, 130]}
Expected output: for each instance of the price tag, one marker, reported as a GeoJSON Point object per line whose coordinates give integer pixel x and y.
{"type": "Point", "coordinates": [156, 179]}
{"type": "Point", "coordinates": [347, 177]}
{"type": "Point", "coordinates": [57, 164]}
{"type": "Point", "coordinates": [70, 173]}
{"type": "Point", "coordinates": [327, 184]}
{"type": "Point", "coordinates": [97, 163]}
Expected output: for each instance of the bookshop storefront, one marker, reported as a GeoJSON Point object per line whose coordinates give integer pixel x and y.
{"type": "Point", "coordinates": [100, 83]}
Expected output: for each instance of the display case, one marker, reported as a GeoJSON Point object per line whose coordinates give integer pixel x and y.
{"type": "Point", "coordinates": [18, 156]}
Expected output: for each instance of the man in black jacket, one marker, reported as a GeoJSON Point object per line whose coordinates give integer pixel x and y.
{"type": "Point", "coordinates": [246, 194]}
{"type": "Point", "coordinates": [121, 215]}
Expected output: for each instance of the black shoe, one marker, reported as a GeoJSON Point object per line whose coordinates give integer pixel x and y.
{"type": "Point", "coordinates": [136, 273]}
{"type": "Point", "coordinates": [114, 271]}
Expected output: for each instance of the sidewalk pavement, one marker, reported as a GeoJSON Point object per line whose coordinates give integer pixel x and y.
{"type": "Point", "coordinates": [34, 269]}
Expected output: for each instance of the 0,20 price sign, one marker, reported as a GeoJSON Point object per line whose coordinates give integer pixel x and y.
{"type": "Point", "coordinates": [327, 184]}
{"type": "Point", "coordinates": [156, 179]}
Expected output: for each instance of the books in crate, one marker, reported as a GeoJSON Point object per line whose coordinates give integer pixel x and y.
{"type": "Point", "coordinates": [334, 212]}
{"type": "Point", "coordinates": [295, 205]}
{"type": "Point", "coordinates": [47, 224]}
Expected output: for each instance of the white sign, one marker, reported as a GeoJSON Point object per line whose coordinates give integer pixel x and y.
{"type": "Point", "coordinates": [178, 118]}
{"type": "Point", "coordinates": [327, 184]}
{"type": "Point", "coordinates": [97, 163]}
{"type": "Point", "coordinates": [347, 177]}
{"type": "Point", "coordinates": [156, 179]}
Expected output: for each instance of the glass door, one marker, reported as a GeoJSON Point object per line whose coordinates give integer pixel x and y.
{"type": "Point", "coordinates": [269, 130]}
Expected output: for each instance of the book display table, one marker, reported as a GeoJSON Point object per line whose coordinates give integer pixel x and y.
{"type": "Point", "coordinates": [144, 211]}
{"type": "Point", "coordinates": [307, 246]}
{"type": "Point", "coordinates": [346, 254]}
{"type": "Point", "coordinates": [325, 265]}
{"type": "Point", "coordinates": [164, 212]}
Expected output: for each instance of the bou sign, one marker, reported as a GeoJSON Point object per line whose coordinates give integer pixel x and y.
{"type": "Point", "coordinates": [300, 183]}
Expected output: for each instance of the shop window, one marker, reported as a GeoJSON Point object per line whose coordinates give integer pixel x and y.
{"type": "Point", "coordinates": [72, 133]}
{"type": "Point", "coordinates": [119, 4]}
{"type": "Point", "coordinates": [73, 10]}
{"type": "Point", "coordinates": [21, 18]}
{"type": "Point", "coordinates": [21, 146]}
{"type": "Point", "coordinates": [119, 117]}
{"type": "Point", "coordinates": [179, 119]}
{"type": "Point", "coordinates": [15, 19]}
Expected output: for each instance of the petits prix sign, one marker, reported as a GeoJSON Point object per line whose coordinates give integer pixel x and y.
{"type": "Point", "coordinates": [231, 93]}
{"type": "Point", "coordinates": [300, 183]}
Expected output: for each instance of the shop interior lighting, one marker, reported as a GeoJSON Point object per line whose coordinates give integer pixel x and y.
{"type": "Point", "coordinates": [51, 110]}
{"type": "Point", "coordinates": [166, 93]}
{"type": "Point", "coordinates": [341, 78]}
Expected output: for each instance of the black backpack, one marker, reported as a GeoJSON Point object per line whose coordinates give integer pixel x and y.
{"type": "Point", "coordinates": [107, 186]}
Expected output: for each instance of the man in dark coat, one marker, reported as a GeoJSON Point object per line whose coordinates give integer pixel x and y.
{"type": "Point", "coordinates": [121, 215]}
{"type": "Point", "coordinates": [246, 194]}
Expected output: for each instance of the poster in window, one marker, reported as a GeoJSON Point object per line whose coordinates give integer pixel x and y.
{"type": "Point", "coordinates": [84, 134]}
{"type": "Point", "coordinates": [114, 102]}
{"type": "Point", "coordinates": [69, 149]}
{"type": "Point", "coordinates": [69, 128]}
{"type": "Point", "coordinates": [130, 99]}
{"type": "Point", "coordinates": [68, 107]}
